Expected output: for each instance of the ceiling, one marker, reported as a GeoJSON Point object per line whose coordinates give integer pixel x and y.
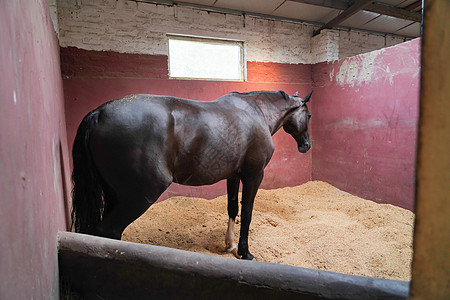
{"type": "Point", "coordinates": [397, 17]}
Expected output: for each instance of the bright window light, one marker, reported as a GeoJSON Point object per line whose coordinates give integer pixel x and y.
{"type": "Point", "coordinates": [202, 58]}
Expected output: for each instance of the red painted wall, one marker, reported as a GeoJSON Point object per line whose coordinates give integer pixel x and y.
{"type": "Point", "coordinates": [364, 125]}
{"type": "Point", "coordinates": [34, 161]}
{"type": "Point", "coordinates": [91, 78]}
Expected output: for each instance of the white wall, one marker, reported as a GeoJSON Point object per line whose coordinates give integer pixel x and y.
{"type": "Point", "coordinates": [136, 27]}
{"type": "Point", "coordinates": [325, 46]}
{"type": "Point", "coordinates": [352, 43]}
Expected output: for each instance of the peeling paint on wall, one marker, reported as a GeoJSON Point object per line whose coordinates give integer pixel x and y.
{"type": "Point", "coordinates": [348, 72]}
{"type": "Point", "coordinates": [356, 70]}
{"type": "Point", "coordinates": [368, 64]}
{"type": "Point", "coordinates": [365, 68]}
{"type": "Point", "coordinates": [365, 123]}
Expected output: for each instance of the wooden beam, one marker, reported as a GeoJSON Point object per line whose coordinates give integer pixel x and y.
{"type": "Point", "coordinates": [337, 4]}
{"type": "Point", "coordinates": [414, 5]}
{"type": "Point", "coordinates": [388, 10]}
{"type": "Point", "coordinates": [353, 9]}
{"type": "Point", "coordinates": [375, 7]}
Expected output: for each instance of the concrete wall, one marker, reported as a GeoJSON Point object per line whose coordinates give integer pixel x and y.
{"type": "Point", "coordinates": [365, 113]}
{"type": "Point", "coordinates": [33, 152]}
{"type": "Point", "coordinates": [137, 27]}
{"type": "Point", "coordinates": [354, 42]}
{"type": "Point", "coordinates": [325, 46]}
{"type": "Point", "coordinates": [92, 78]}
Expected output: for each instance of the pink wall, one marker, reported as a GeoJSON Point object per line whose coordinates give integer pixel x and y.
{"type": "Point", "coordinates": [34, 161]}
{"type": "Point", "coordinates": [364, 125]}
{"type": "Point", "coordinates": [91, 78]}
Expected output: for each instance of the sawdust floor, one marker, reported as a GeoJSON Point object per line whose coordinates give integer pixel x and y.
{"type": "Point", "coordinates": [314, 225]}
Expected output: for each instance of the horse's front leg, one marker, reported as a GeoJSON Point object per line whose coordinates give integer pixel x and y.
{"type": "Point", "coordinates": [233, 191]}
{"type": "Point", "coordinates": [249, 190]}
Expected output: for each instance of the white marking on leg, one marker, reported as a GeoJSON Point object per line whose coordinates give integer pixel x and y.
{"type": "Point", "coordinates": [229, 237]}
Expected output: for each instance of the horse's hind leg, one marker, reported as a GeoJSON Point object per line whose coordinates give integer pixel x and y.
{"type": "Point", "coordinates": [232, 190]}
{"type": "Point", "coordinates": [128, 205]}
{"type": "Point", "coordinates": [249, 190]}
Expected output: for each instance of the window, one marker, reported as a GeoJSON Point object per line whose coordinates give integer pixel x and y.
{"type": "Point", "coordinates": [205, 58]}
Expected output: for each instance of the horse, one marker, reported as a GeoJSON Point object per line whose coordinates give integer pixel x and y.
{"type": "Point", "coordinates": [128, 151]}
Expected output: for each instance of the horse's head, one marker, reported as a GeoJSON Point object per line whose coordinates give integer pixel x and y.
{"type": "Point", "coordinates": [296, 123]}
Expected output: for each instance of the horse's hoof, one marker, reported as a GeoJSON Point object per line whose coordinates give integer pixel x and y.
{"type": "Point", "coordinates": [230, 248]}
{"type": "Point", "coordinates": [233, 250]}
{"type": "Point", "coordinates": [248, 256]}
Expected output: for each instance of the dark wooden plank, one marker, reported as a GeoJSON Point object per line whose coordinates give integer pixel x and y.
{"type": "Point", "coordinates": [337, 4]}
{"type": "Point", "coordinates": [375, 7]}
{"type": "Point", "coordinates": [414, 5]}
{"type": "Point", "coordinates": [392, 11]}
{"type": "Point", "coordinates": [356, 7]}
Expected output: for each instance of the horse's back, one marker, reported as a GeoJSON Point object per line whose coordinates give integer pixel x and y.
{"type": "Point", "coordinates": [132, 111]}
{"type": "Point", "coordinates": [190, 142]}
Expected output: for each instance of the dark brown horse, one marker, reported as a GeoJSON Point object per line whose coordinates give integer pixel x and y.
{"type": "Point", "coordinates": [128, 151]}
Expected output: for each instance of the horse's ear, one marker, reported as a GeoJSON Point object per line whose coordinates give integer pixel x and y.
{"type": "Point", "coordinates": [296, 94]}
{"type": "Point", "coordinates": [306, 98]}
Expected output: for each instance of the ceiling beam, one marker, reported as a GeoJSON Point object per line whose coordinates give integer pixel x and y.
{"type": "Point", "coordinates": [252, 14]}
{"type": "Point", "coordinates": [375, 7]}
{"type": "Point", "coordinates": [353, 9]}
{"type": "Point", "coordinates": [414, 5]}
{"type": "Point", "coordinates": [389, 10]}
{"type": "Point", "coordinates": [336, 4]}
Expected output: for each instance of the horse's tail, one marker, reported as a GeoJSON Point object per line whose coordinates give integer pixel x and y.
{"type": "Point", "coordinates": [87, 200]}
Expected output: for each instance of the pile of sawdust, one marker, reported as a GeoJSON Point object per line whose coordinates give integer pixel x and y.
{"type": "Point", "coordinates": [314, 225]}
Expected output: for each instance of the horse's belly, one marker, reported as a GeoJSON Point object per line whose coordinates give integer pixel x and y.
{"type": "Point", "coordinates": [204, 171]}
{"type": "Point", "coordinates": [197, 177]}
{"type": "Point", "coordinates": [188, 179]}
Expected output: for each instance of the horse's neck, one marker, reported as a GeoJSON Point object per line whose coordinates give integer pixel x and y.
{"type": "Point", "coordinates": [274, 113]}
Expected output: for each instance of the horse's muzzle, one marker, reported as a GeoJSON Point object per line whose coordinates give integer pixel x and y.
{"type": "Point", "coordinates": [304, 148]}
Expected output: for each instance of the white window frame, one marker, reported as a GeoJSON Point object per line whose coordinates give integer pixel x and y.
{"type": "Point", "coordinates": [209, 40]}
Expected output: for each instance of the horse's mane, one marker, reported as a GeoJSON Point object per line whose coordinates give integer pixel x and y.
{"type": "Point", "coordinates": [285, 96]}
